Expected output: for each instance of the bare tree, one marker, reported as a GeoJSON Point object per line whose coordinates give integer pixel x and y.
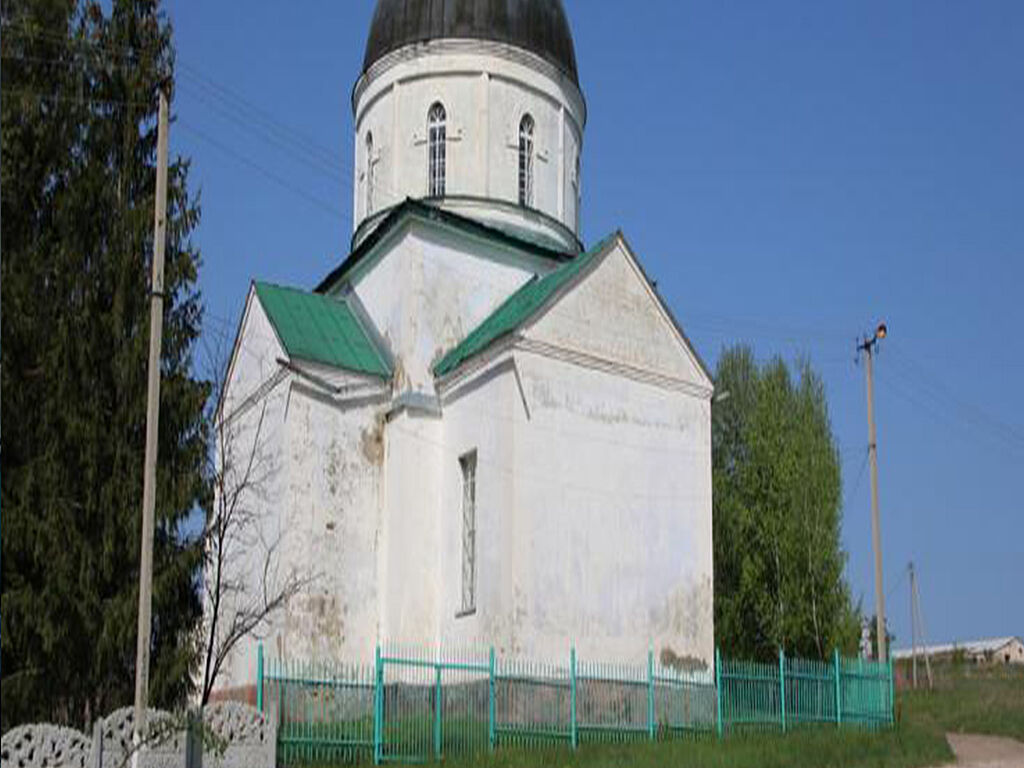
{"type": "Point", "coordinates": [245, 581]}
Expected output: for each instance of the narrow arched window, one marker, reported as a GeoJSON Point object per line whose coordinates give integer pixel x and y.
{"type": "Point", "coordinates": [526, 161]}
{"type": "Point", "coordinates": [437, 138]}
{"type": "Point", "coordinates": [369, 174]}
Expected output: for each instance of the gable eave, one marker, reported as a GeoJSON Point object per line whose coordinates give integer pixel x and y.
{"type": "Point", "coordinates": [669, 315]}
{"type": "Point", "coordinates": [236, 347]}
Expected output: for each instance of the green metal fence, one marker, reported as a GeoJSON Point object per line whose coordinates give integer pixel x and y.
{"type": "Point", "coordinates": [413, 705]}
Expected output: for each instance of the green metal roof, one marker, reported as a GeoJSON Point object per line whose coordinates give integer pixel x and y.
{"type": "Point", "coordinates": [517, 309]}
{"type": "Point", "coordinates": [321, 329]}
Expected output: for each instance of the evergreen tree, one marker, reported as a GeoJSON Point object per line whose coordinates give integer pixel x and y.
{"type": "Point", "coordinates": [777, 514]}
{"type": "Point", "coordinates": [78, 183]}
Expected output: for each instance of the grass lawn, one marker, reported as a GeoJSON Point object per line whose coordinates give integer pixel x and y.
{"type": "Point", "coordinates": [969, 699]}
{"type": "Point", "coordinates": [909, 747]}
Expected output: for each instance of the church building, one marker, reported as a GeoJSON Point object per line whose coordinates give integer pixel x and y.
{"type": "Point", "coordinates": [476, 429]}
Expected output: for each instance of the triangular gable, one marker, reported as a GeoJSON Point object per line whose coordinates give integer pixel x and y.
{"type": "Point", "coordinates": [614, 313]}
{"type": "Point", "coordinates": [601, 304]}
{"type": "Point", "coordinates": [254, 356]}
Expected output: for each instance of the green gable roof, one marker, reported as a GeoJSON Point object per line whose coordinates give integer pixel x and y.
{"type": "Point", "coordinates": [517, 309]}
{"type": "Point", "coordinates": [321, 329]}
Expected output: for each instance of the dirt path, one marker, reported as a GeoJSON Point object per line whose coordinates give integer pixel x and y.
{"type": "Point", "coordinates": [986, 751]}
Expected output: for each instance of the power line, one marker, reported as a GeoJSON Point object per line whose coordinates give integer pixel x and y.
{"type": "Point", "coordinates": [905, 390]}
{"type": "Point", "coordinates": [916, 375]}
{"type": "Point", "coordinates": [860, 474]}
{"type": "Point", "coordinates": [256, 113]}
{"type": "Point", "coordinates": [271, 137]}
{"type": "Point", "coordinates": [271, 175]}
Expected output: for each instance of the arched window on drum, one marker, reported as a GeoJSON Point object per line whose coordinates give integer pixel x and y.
{"type": "Point", "coordinates": [437, 139]}
{"type": "Point", "coordinates": [526, 128]}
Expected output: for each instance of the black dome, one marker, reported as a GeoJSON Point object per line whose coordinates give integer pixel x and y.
{"type": "Point", "coordinates": [539, 26]}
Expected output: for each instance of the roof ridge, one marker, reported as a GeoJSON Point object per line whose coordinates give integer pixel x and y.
{"type": "Point", "coordinates": [414, 207]}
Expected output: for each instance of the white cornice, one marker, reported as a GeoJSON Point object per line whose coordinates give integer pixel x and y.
{"type": "Point", "coordinates": [490, 48]}
{"type": "Point", "coordinates": [595, 363]}
{"type": "Point", "coordinates": [483, 362]}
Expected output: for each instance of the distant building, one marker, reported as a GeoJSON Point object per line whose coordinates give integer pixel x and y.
{"type": "Point", "coordinates": [999, 650]}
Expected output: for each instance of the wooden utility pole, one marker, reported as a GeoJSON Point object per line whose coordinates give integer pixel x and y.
{"type": "Point", "coordinates": [156, 326]}
{"type": "Point", "coordinates": [917, 630]}
{"type": "Point", "coordinates": [868, 347]}
{"type": "Point", "coordinates": [913, 621]}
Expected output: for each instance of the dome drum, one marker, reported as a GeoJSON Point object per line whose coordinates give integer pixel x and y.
{"type": "Point", "coordinates": [486, 82]}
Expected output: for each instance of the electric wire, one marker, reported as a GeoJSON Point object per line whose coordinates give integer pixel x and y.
{"type": "Point", "coordinates": [914, 388]}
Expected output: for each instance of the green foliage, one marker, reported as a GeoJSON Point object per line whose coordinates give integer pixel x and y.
{"type": "Point", "coordinates": [890, 637]}
{"type": "Point", "coordinates": [777, 496]}
{"type": "Point", "coordinates": [78, 178]}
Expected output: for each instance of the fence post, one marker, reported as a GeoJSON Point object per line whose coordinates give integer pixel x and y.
{"type": "Point", "coordinates": [281, 701]}
{"type": "Point", "coordinates": [650, 694]}
{"type": "Point", "coordinates": [782, 687]}
{"type": "Point", "coordinates": [718, 688]}
{"type": "Point", "coordinates": [97, 744]}
{"type": "Point", "coordinates": [437, 712]}
{"type": "Point", "coordinates": [259, 677]}
{"type": "Point", "coordinates": [492, 729]}
{"type": "Point", "coordinates": [839, 690]}
{"type": "Point", "coordinates": [892, 695]}
{"type": "Point", "coordinates": [378, 708]}
{"type": "Point", "coordinates": [572, 696]}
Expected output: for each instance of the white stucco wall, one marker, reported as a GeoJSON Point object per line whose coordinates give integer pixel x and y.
{"type": "Point", "coordinates": [429, 287]}
{"type": "Point", "coordinates": [254, 428]}
{"type": "Point", "coordinates": [409, 563]}
{"type": "Point", "coordinates": [593, 482]}
{"type": "Point", "coordinates": [335, 458]}
{"type": "Point", "coordinates": [592, 433]}
{"type": "Point", "coordinates": [317, 490]}
{"type": "Point", "coordinates": [486, 89]}
{"type": "Point", "coordinates": [616, 482]}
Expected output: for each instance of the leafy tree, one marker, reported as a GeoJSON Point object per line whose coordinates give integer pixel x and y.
{"type": "Point", "coordinates": [78, 178]}
{"type": "Point", "coordinates": [777, 495]}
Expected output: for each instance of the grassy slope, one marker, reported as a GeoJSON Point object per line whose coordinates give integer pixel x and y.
{"type": "Point", "coordinates": [911, 747]}
{"type": "Point", "coordinates": [970, 700]}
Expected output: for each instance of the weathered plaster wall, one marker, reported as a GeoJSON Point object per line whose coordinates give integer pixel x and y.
{"type": "Point", "coordinates": [254, 432]}
{"type": "Point", "coordinates": [335, 458]}
{"type": "Point", "coordinates": [593, 473]}
{"type": "Point", "coordinates": [430, 288]}
{"type": "Point", "coordinates": [316, 488]}
{"type": "Point", "coordinates": [481, 417]}
{"type": "Point", "coordinates": [613, 315]}
{"type": "Point", "coordinates": [255, 356]}
{"type": "Point", "coordinates": [409, 566]}
{"type": "Point", "coordinates": [594, 482]}
{"type": "Point", "coordinates": [615, 481]}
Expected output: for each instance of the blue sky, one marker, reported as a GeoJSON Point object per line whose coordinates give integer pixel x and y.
{"type": "Point", "coordinates": [789, 172]}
